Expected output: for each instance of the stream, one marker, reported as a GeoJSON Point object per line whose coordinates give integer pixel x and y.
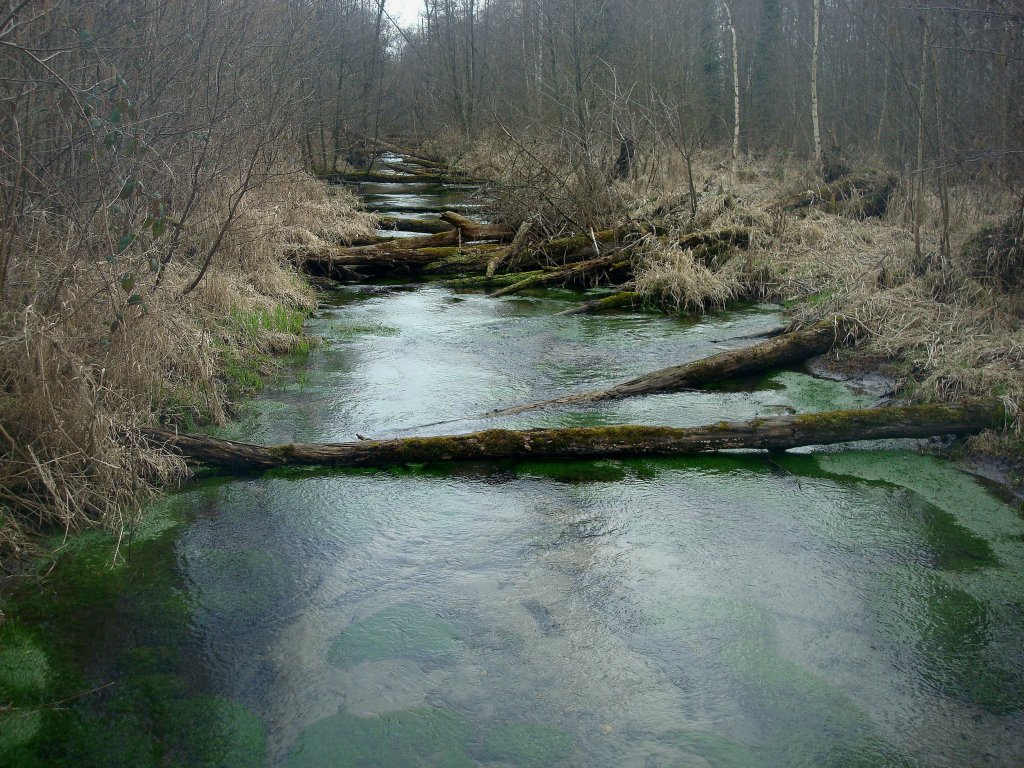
{"type": "Point", "coordinates": [855, 606]}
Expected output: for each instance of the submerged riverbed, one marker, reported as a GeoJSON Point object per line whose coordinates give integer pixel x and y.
{"type": "Point", "coordinates": [853, 607]}
{"type": "Point", "coordinates": [849, 607]}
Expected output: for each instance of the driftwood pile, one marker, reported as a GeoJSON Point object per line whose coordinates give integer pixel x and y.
{"type": "Point", "coordinates": [492, 257]}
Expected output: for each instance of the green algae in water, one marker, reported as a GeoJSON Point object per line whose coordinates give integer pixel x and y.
{"type": "Point", "coordinates": [93, 590]}
{"type": "Point", "coordinates": [717, 751]}
{"type": "Point", "coordinates": [18, 729]}
{"type": "Point", "coordinates": [417, 738]}
{"type": "Point", "coordinates": [352, 332]}
{"type": "Point", "coordinates": [949, 634]}
{"type": "Point", "coordinates": [25, 677]}
{"type": "Point", "coordinates": [133, 731]}
{"type": "Point", "coordinates": [573, 471]}
{"type": "Point", "coordinates": [397, 631]}
{"type": "Point", "coordinates": [936, 481]}
{"type": "Point", "coordinates": [804, 720]}
{"type": "Point", "coordinates": [241, 585]}
{"type": "Point", "coordinates": [527, 746]}
{"type": "Point", "coordinates": [24, 666]}
{"type": "Point", "coordinates": [954, 546]}
{"type": "Point", "coordinates": [811, 394]}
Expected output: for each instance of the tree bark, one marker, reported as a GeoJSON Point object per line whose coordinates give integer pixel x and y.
{"type": "Point", "coordinates": [814, 83]}
{"type": "Point", "coordinates": [512, 252]}
{"type": "Point", "coordinates": [474, 230]}
{"type": "Point", "coordinates": [778, 433]}
{"type": "Point", "coordinates": [735, 92]}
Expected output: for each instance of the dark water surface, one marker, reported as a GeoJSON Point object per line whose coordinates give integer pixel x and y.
{"type": "Point", "coordinates": [857, 607]}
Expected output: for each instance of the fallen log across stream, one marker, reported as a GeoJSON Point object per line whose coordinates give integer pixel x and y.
{"type": "Point", "coordinates": [777, 433]}
{"type": "Point", "coordinates": [776, 352]}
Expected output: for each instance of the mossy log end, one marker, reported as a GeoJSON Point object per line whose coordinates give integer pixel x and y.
{"type": "Point", "coordinates": [780, 351]}
{"type": "Point", "coordinates": [859, 194]}
{"type": "Point", "coordinates": [620, 299]}
{"type": "Point", "coordinates": [778, 433]}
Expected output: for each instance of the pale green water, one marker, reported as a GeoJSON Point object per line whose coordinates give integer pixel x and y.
{"type": "Point", "coordinates": [849, 608]}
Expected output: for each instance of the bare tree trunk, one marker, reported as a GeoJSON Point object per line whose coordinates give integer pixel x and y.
{"type": "Point", "coordinates": [814, 83]}
{"type": "Point", "coordinates": [919, 186]}
{"type": "Point", "coordinates": [735, 91]}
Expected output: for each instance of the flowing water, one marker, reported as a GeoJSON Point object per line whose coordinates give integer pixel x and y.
{"type": "Point", "coordinates": [850, 607]}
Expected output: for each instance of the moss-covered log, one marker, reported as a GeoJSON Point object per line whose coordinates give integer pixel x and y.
{"type": "Point", "coordinates": [859, 195]}
{"type": "Point", "coordinates": [466, 260]}
{"type": "Point", "coordinates": [388, 255]}
{"type": "Point", "coordinates": [777, 352]}
{"type": "Point", "coordinates": [776, 433]}
{"type": "Point", "coordinates": [415, 155]}
{"type": "Point", "coordinates": [474, 230]}
{"type": "Point", "coordinates": [563, 250]}
{"type": "Point", "coordinates": [612, 261]}
{"type": "Point", "coordinates": [482, 282]}
{"type": "Point", "coordinates": [615, 300]}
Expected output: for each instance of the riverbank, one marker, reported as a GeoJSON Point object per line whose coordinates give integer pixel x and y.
{"type": "Point", "coordinates": [94, 353]}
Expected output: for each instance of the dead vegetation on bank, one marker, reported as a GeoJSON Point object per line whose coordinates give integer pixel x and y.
{"type": "Point", "coordinates": [97, 347]}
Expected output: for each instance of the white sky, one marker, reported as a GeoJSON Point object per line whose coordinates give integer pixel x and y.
{"type": "Point", "coordinates": [404, 11]}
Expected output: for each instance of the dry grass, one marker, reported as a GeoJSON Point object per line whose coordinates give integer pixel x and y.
{"type": "Point", "coordinates": [83, 363]}
{"type": "Point", "coordinates": [681, 280]}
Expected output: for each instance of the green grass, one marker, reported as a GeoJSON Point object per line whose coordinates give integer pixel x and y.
{"type": "Point", "coordinates": [280, 319]}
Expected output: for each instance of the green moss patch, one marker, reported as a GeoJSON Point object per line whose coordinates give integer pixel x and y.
{"type": "Point", "coordinates": [418, 738]}
{"type": "Point", "coordinates": [398, 631]}
{"type": "Point", "coordinates": [527, 746]}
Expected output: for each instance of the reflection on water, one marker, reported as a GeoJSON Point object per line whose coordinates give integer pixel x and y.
{"type": "Point", "coordinates": [855, 608]}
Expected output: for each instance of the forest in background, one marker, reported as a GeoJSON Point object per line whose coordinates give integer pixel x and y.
{"type": "Point", "coordinates": [155, 159]}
